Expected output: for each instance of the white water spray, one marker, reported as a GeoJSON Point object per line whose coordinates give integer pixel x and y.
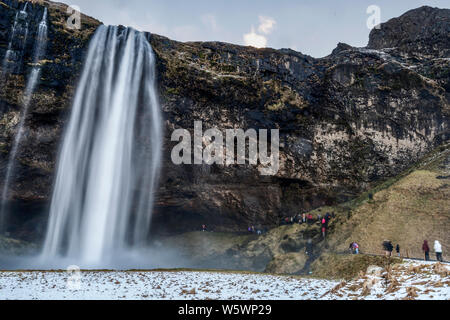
{"type": "Point", "coordinates": [39, 52]}
{"type": "Point", "coordinates": [109, 162]}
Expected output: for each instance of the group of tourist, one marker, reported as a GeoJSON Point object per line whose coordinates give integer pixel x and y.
{"type": "Point", "coordinates": [387, 245]}
{"type": "Point", "coordinates": [309, 219]}
{"type": "Point", "coordinates": [257, 230]}
{"type": "Point", "coordinates": [437, 250]}
{"type": "Point", "coordinates": [297, 219]}
{"type": "Point", "coordinates": [388, 248]}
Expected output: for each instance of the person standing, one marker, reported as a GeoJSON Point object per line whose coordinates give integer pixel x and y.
{"type": "Point", "coordinates": [397, 249]}
{"type": "Point", "coordinates": [426, 250]}
{"type": "Point", "coordinates": [355, 248]}
{"type": "Point", "coordinates": [438, 250]}
{"type": "Point", "coordinates": [324, 227]}
{"type": "Point", "coordinates": [351, 248]}
{"type": "Point", "coordinates": [388, 248]}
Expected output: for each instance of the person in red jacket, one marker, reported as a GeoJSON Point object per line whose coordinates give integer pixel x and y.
{"type": "Point", "coordinates": [426, 250]}
{"type": "Point", "coordinates": [324, 227]}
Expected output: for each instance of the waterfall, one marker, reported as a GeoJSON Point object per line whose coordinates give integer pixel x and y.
{"type": "Point", "coordinates": [18, 40]}
{"type": "Point", "coordinates": [109, 162]}
{"type": "Point", "coordinates": [39, 52]}
{"type": "Point", "coordinates": [39, 49]}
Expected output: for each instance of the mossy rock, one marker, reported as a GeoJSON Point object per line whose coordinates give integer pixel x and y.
{"type": "Point", "coordinates": [290, 263]}
{"type": "Point", "coordinates": [14, 247]}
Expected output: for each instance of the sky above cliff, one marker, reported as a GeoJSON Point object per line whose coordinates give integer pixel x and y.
{"type": "Point", "coordinates": [312, 27]}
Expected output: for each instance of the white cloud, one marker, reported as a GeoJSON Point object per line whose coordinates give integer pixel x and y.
{"type": "Point", "coordinates": [255, 40]}
{"type": "Point", "coordinates": [266, 24]}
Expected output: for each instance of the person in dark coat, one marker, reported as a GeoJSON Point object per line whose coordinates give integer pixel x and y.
{"type": "Point", "coordinates": [426, 250]}
{"type": "Point", "coordinates": [397, 249]}
{"type": "Point", "coordinates": [351, 248]}
{"type": "Point", "coordinates": [388, 248]}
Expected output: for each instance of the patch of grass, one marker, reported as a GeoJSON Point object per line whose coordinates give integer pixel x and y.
{"type": "Point", "coordinates": [4, 5]}
{"type": "Point", "coordinates": [276, 106]}
{"type": "Point", "coordinates": [13, 246]}
{"type": "Point", "coordinates": [173, 91]}
{"type": "Point", "coordinates": [430, 162]}
{"type": "Point", "coordinates": [406, 209]}
{"type": "Point", "coordinates": [347, 267]}
{"type": "Point", "coordinates": [203, 244]}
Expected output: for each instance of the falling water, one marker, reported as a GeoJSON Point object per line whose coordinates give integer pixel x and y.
{"type": "Point", "coordinates": [18, 40]}
{"type": "Point", "coordinates": [109, 162]}
{"type": "Point", "coordinates": [39, 52]}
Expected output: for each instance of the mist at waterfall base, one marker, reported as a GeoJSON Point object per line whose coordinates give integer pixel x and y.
{"type": "Point", "coordinates": [152, 257]}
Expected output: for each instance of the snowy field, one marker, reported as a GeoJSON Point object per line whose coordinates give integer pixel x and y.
{"type": "Point", "coordinates": [406, 281]}
{"type": "Point", "coordinates": [158, 286]}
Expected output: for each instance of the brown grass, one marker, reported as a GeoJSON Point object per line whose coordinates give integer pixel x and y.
{"type": "Point", "coordinates": [347, 267]}
{"type": "Point", "coordinates": [407, 210]}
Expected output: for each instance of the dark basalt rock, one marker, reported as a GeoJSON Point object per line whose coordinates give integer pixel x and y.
{"type": "Point", "coordinates": [423, 31]}
{"type": "Point", "coordinates": [341, 47]}
{"type": "Point", "coordinates": [346, 121]}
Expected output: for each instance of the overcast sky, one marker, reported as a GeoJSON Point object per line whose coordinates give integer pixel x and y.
{"type": "Point", "coordinates": [312, 27]}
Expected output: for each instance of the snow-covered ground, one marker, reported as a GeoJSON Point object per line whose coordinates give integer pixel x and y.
{"type": "Point", "coordinates": [158, 285]}
{"type": "Point", "coordinates": [409, 280]}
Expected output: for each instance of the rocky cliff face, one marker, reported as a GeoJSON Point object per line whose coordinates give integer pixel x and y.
{"type": "Point", "coordinates": [50, 105]}
{"type": "Point", "coordinates": [423, 32]}
{"type": "Point", "coordinates": [346, 121]}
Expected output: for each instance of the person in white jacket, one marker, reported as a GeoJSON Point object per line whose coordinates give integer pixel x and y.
{"type": "Point", "coordinates": [438, 250]}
